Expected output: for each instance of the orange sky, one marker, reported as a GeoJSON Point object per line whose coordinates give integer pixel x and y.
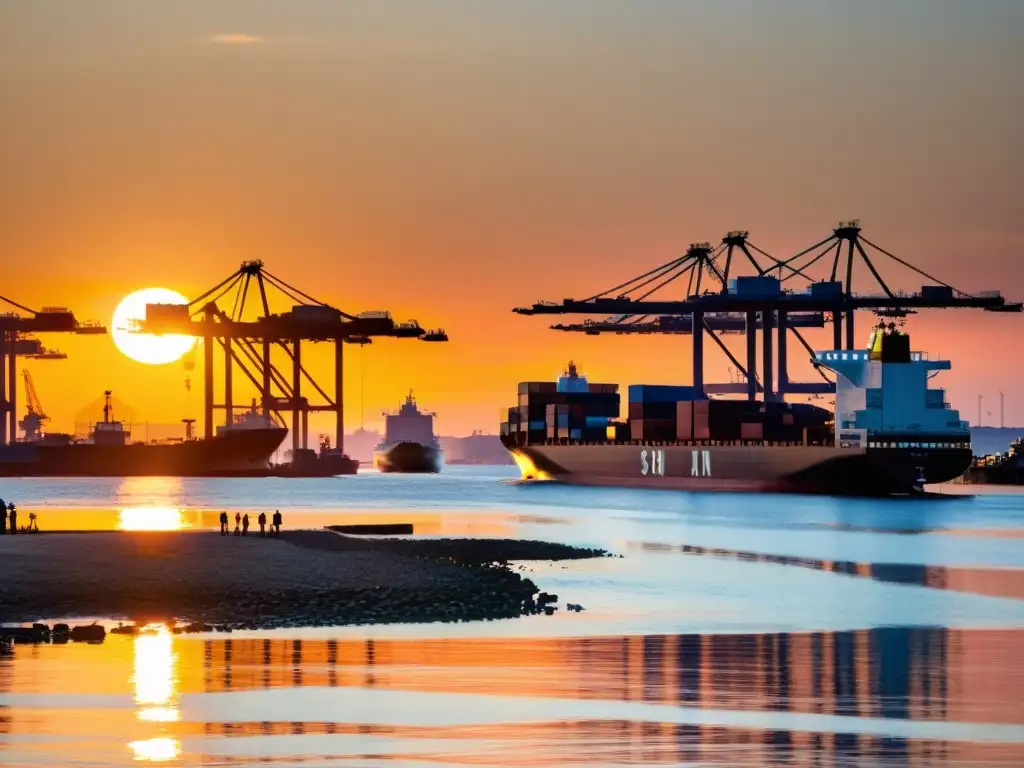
{"type": "Point", "coordinates": [449, 161]}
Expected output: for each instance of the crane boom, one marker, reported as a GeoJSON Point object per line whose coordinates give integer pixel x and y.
{"type": "Point", "coordinates": [35, 417]}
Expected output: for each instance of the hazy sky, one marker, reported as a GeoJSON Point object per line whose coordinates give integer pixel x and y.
{"type": "Point", "coordinates": [451, 160]}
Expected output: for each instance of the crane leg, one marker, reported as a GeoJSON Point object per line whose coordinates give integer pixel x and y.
{"type": "Point", "coordinates": [229, 405]}
{"type": "Point", "coordinates": [12, 394]}
{"type": "Point", "coordinates": [339, 399]}
{"type": "Point", "coordinates": [208, 383]}
{"type": "Point", "coordinates": [3, 387]}
{"type": "Point", "coordinates": [783, 372]}
{"type": "Point", "coordinates": [768, 380]}
{"type": "Point", "coordinates": [751, 337]}
{"type": "Point", "coordinates": [296, 398]}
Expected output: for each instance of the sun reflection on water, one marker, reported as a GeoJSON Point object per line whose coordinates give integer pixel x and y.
{"type": "Point", "coordinates": [156, 750]}
{"type": "Point", "coordinates": [152, 519]}
{"type": "Point", "coordinates": [156, 689]}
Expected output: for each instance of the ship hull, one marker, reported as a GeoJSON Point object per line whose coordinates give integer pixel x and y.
{"type": "Point", "coordinates": [409, 457]}
{"type": "Point", "coordinates": [239, 453]}
{"type": "Point", "coordinates": [790, 469]}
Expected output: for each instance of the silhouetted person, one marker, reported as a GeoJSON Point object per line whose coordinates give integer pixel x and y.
{"type": "Point", "coordinates": [3, 509]}
{"type": "Point", "coordinates": [32, 526]}
{"type": "Point", "coordinates": [277, 522]}
{"type": "Point", "coordinates": [262, 520]}
{"type": "Point", "coordinates": [12, 515]}
{"type": "Point", "coordinates": [245, 524]}
{"type": "Point", "coordinates": [238, 520]}
{"type": "Point", "coordinates": [223, 523]}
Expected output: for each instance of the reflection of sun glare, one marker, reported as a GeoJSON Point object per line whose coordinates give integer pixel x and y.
{"type": "Point", "coordinates": [154, 667]}
{"type": "Point", "coordinates": [155, 750]}
{"type": "Point", "coordinates": [147, 347]}
{"type": "Point", "coordinates": [156, 690]}
{"type": "Point", "coordinates": [151, 519]}
{"type": "Point", "coordinates": [528, 469]}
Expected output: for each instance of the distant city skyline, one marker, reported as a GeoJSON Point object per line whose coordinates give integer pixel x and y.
{"type": "Point", "coordinates": [449, 161]}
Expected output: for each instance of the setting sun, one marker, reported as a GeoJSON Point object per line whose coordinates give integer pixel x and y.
{"type": "Point", "coordinates": [147, 347]}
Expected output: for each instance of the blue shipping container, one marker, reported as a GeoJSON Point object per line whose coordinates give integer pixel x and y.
{"type": "Point", "coordinates": [575, 434]}
{"type": "Point", "coordinates": [538, 425]}
{"type": "Point", "coordinates": [597, 421]}
{"type": "Point", "coordinates": [659, 393]}
{"type": "Point", "coordinates": [827, 290]}
{"type": "Point", "coordinates": [762, 285]}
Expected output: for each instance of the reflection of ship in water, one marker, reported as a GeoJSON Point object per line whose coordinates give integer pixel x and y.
{"type": "Point", "coordinates": [410, 444]}
{"type": "Point", "coordinates": [896, 674]}
{"type": "Point", "coordinates": [241, 448]}
{"type": "Point", "coordinates": [733, 699]}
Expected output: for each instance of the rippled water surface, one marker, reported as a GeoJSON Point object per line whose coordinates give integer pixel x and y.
{"type": "Point", "coordinates": [735, 631]}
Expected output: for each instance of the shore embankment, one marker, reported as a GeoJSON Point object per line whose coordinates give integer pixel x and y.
{"type": "Point", "coordinates": [303, 578]}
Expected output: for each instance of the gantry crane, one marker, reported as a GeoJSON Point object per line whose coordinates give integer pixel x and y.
{"type": "Point", "coordinates": [762, 304]}
{"type": "Point", "coordinates": [17, 329]}
{"type": "Point", "coordinates": [248, 344]}
{"type": "Point", "coordinates": [35, 417]}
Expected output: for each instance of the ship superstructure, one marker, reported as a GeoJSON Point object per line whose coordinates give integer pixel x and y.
{"type": "Point", "coordinates": [889, 433]}
{"type": "Point", "coordinates": [883, 399]}
{"type": "Point", "coordinates": [410, 443]}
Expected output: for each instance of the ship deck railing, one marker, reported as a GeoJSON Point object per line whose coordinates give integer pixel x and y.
{"type": "Point", "coordinates": [684, 443]}
{"type": "Point", "coordinates": [734, 443]}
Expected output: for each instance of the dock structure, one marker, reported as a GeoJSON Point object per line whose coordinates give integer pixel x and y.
{"type": "Point", "coordinates": [717, 302]}
{"type": "Point", "coordinates": [19, 327]}
{"type": "Point", "coordinates": [248, 345]}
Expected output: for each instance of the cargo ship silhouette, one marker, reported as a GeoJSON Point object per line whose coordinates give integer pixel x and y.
{"type": "Point", "coordinates": [240, 449]}
{"type": "Point", "coordinates": [888, 434]}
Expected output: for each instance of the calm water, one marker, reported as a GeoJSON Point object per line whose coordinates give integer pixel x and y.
{"type": "Point", "coordinates": [737, 630]}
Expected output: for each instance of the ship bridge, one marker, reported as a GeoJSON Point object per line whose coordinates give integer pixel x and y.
{"type": "Point", "coordinates": [883, 389]}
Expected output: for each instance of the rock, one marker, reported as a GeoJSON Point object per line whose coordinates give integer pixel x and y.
{"type": "Point", "coordinates": [89, 633]}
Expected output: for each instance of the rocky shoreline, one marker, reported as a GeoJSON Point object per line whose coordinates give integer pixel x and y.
{"type": "Point", "coordinates": [305, 578]}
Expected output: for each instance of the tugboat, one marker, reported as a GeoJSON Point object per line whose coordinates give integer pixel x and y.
{"type": "Point", "coordinates": [409, 444]}
{"type": "Point", "coordinates": [327, 462]}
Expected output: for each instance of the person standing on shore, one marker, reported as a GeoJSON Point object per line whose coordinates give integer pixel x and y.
{"type": "Point", "coordinates": [238, 520]}
{"type": "Point", "coordinates": [262, 520]}
{"type": "Point", "coordinates": [3, 509]}
{"type": "Point", "coordinates": [245, 524]}
{"type": "Point", "coordinates": [12, 514]}
{"type": "Point", "coordinates": [277, 522]}
{"type": "Point", "coordinates": [223, 523]}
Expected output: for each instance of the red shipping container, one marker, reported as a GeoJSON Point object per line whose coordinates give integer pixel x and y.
{"type": "Point", "coordinates": [684, 421]}
{"type": "Point", "coordinates": [751, 431]}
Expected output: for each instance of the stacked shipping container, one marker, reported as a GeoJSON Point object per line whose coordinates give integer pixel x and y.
{"type": "Point", "coordinates": [545, 413]}
{"type": "Point", "coordinates": [657, 414]}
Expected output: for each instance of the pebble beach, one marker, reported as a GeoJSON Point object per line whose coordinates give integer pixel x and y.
{"type": "Point", "coordinates": [303, 578]}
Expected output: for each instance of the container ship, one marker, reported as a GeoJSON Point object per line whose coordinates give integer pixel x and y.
{"type": "Point", "coordinates": [889, 433]}
{"type": "Point", "coordinates": [409, 443]}
{"type": "Point", "coordinates": [240, 449]}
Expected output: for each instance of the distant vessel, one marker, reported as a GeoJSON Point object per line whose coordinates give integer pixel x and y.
{"type": "Point", "coordinates": [409, 444]}
{"type": "Point", "coordinates": [327, 462]}
{"type": "Point", "coordinates": [889, 433]}
{"type": "Point", "coordinates": [240, 449]}
{"type": "Point", "coordinates": [1002, 469]}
